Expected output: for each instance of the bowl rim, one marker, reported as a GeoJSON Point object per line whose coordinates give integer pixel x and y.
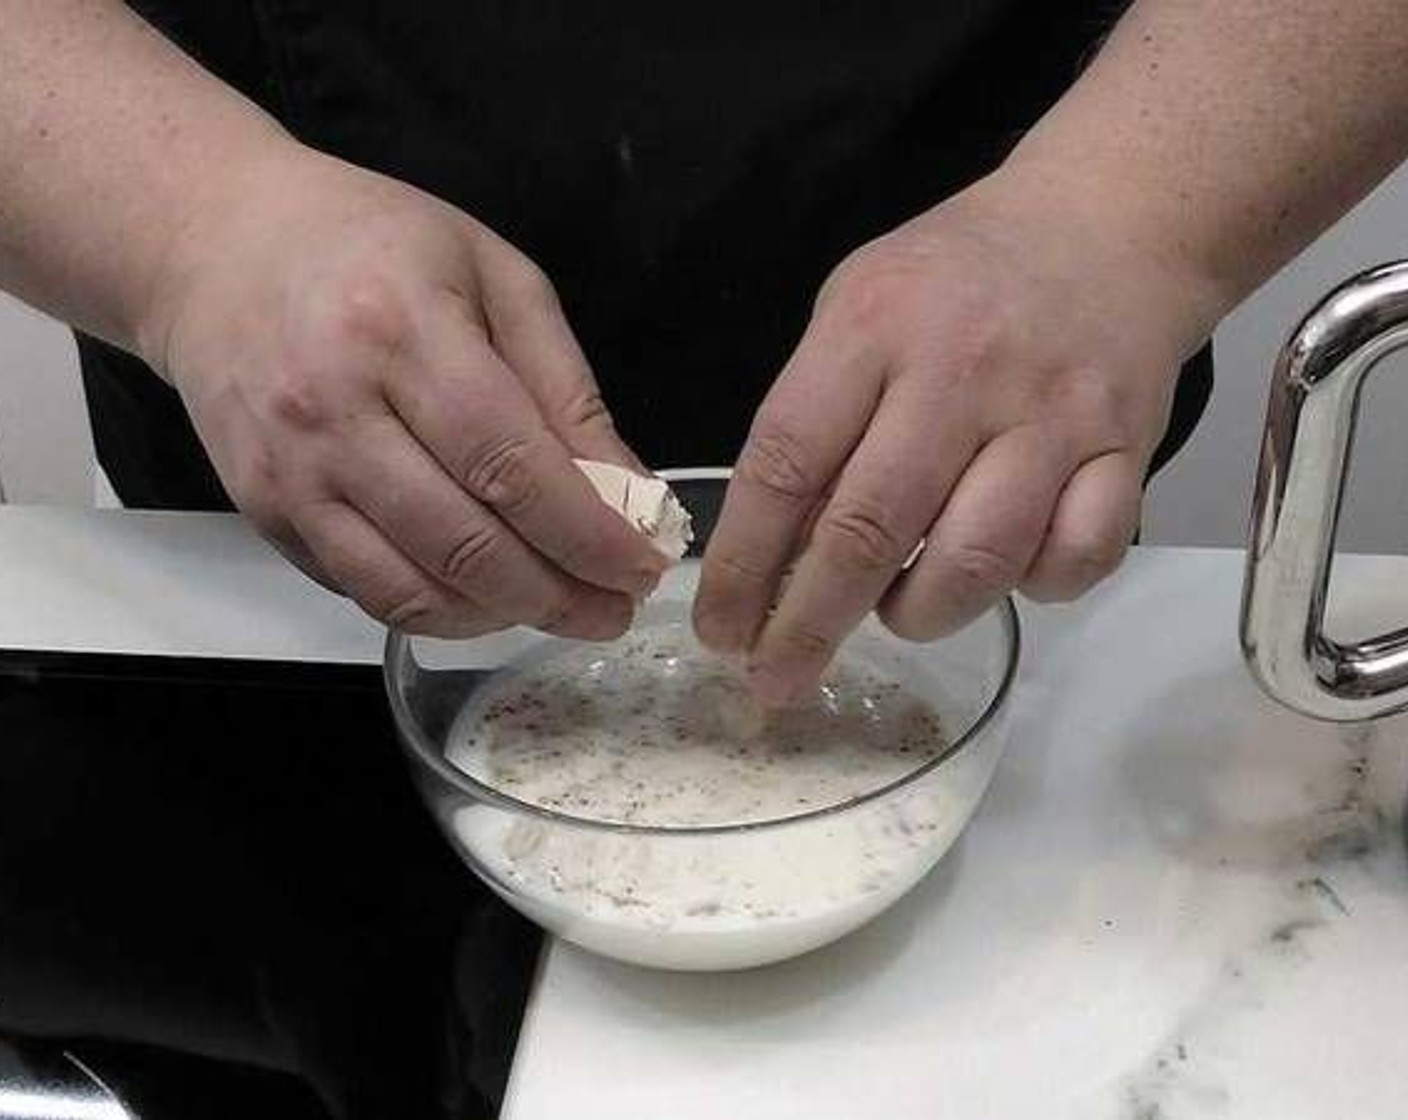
{"type": "Point", "coordinates": [416, 743]}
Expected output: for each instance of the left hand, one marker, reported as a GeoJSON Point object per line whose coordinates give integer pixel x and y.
{"type": "Point", "coordinates": [992, 378]}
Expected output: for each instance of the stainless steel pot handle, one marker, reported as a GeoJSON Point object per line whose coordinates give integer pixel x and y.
{"type": "Point", "coordinates": [1309, 434]}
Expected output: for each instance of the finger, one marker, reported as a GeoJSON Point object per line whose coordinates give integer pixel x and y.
{"type": "Point", "coordinates": [292, 548]}
{"type": "Point", "coordinates": [382, 581]}
{"type": "Point", "coordinates": [531, 333]}
{"type": "Point", "coordinates": [868, 529]}
{"type": "Point", "coordinates": [1094, 523]}
{"type": "Point", "coordinates": [459, 542]}
{"type": "Point", "coordinates": [269, 519]}
{"type": "Point", "coordinates": [811, 420]}
{"type": "Point", "coordinates": [986, 537]}
{"type": "Point", "coordinates": [475, 417]}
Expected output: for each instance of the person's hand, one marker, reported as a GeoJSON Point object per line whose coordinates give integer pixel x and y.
{"type": "Point", "coordinates": [991, 378]}
{"type": "Point", "coordinates": [391, 393]}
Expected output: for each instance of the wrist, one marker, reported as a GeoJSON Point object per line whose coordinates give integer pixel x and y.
{"type": "Point", "coordinates": [202, 234]}
{"type": "Point", "coordinates": [1151, 262]}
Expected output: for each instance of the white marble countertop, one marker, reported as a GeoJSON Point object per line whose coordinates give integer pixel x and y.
{"type": "Point", "coordinates": [1176, 901]}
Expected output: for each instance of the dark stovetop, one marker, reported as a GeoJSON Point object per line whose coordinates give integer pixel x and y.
{"type": "Point", "coordinates": [220, 894]}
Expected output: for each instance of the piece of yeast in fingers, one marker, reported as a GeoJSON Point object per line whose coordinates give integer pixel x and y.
{"type": "Point", "coordinates": [646, 502]}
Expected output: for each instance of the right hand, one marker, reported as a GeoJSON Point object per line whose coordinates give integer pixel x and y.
{"type": "Point", "coordinates": [391, 393]}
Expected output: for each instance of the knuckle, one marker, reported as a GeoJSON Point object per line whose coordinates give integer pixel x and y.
{"type": "Point", "coordinates": [586, 410]}
{"type": "Point", "coordinates": [368, 311]}
{"type": "Point", "coordinates": [298, 399]}
{"type": "Point", "coordinates": [415, 611]}
{"type": "Point", "coordinates": [1108, 403]}
{"type": "Point", "coordinates": [806, 642]}
{"type": "Point", "coordinates": [1108, 408]}
{"type": "Point", "coordinates": [526, 290]}
{"type": "Point", "coordinates": [473, 558]}
{"type": "Point", "coordinates": [775, 461]}
{"type": "Point", "coordinates": [1089, 561]}
{"type": "Point", "coordinates": [729, 571]}
{"type": "Point", "coordinates": [498, 473]}
{"type": "Point", "coordinates": [863, 292]}
{"type": "Point", "coordinates": [862, 535]}
{"type": "Point", "coordinates": [1067, 570]}
{"type": "Point", "coordinates": [988, 570]}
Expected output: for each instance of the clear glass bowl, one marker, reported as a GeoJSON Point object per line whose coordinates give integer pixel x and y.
{"type": "Point", "coordinates": [716, 896]}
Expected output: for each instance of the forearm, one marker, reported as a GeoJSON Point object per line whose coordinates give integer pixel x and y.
{"type": "Point", "coordinates": [1224, 135]}
{"type": "Point", "coordinates": [113, 145]}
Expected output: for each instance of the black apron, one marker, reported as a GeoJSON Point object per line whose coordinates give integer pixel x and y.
{"type": "Point", "coordinates": [686, 174]}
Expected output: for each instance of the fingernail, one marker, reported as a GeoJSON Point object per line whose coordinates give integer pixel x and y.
{"type": "Point", "coordinates": [717, 634]}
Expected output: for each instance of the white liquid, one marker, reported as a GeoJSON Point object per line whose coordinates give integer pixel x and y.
{"type": "Point", "coordinates": [659, 733]}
